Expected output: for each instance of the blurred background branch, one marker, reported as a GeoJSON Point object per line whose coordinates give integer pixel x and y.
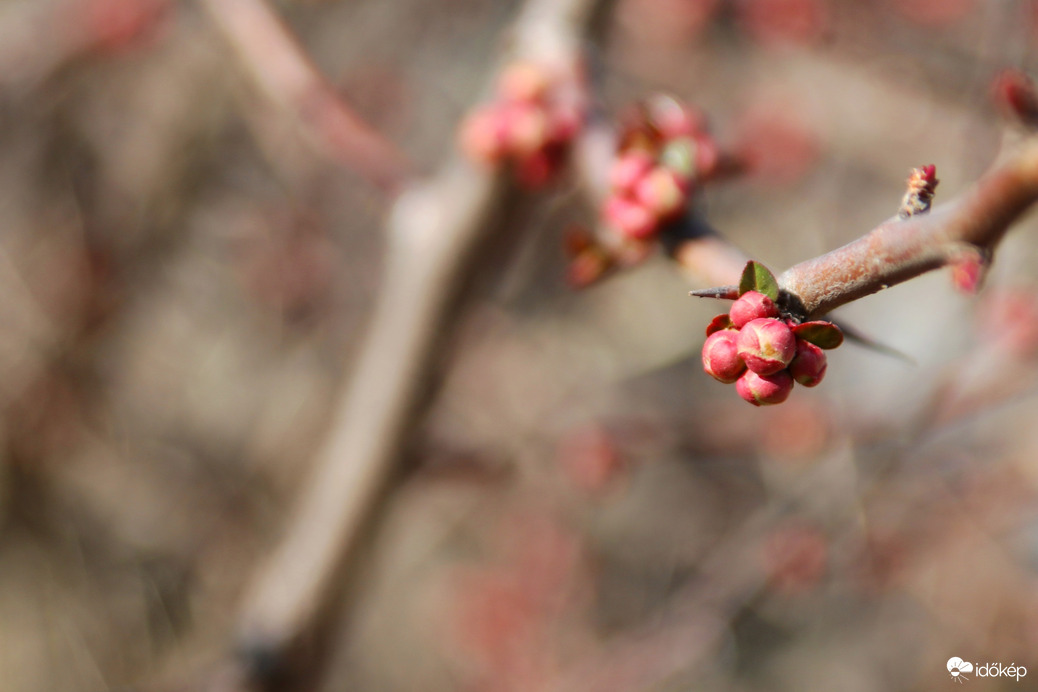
{"type": "Point", "coordinates": [435, 230]}
{"type": "Point", "coordinates": [291, 84]}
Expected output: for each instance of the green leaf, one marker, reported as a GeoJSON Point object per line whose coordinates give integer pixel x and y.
{"type": "Point", "coordinates": [718, 323]}
{"type": "Point", "coordinates": [756, 277]}
{"type": "Point", "coordinates": [679, 155]}
{"type": "Point", "coordinates": [822, 334]}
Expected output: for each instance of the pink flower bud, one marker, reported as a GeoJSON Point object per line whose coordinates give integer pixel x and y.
{"type": "Point", "coordinates": [630, 218]}
{"type": "Point", "coordinates": [767, 345]}
{"type": "Point", "coordinates": [660, 192]}
{"type": "Point", "coordinates": [764, 390]}
{"type": "Point", "coordinates": [967, 272]}
{"type": "Point", "coordinates": [536, 170]}
{"type": "Point", "coordinates": [526, 129]}
{"type": "Point", "coordinates": [523, 82]}
{"type": "Point", "coordinates": [587, 267]}
{"type": "Point", "coordinates": [564, 123]}
{"type": "Point", "coordinates": [482, 136]}
{"type": "Point", "coordinates": [628, 169]}
{"type": "Point", "coordinates": [809, 364]}
{"type": "Point", "coordinates": [720, 357]}
{"type": "Point", "coordinates": [752, 305]}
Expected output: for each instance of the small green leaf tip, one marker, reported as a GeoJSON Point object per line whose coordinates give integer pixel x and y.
{"type": "Point", "coordinates": [756, 277]}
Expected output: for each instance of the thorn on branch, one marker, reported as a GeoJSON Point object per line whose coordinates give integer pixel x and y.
{"type": "Point", "coordinates": [865, 341]}
{"type": "Point", "coordinates": [721, 293]}
{"type": "Point", "coordinates": [921, 185]}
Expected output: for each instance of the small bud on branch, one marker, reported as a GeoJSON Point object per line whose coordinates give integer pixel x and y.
{"type": "Point", "coordinates": [809, 365]}
{"type": "Point", "coordinates": [921, 185]}
{"type": "Point", "coordinates": [750, 306]}
{"type": "Point", "coordinates": [1015, 95]}
{"type": "Point", "coordinates": [721, 358]}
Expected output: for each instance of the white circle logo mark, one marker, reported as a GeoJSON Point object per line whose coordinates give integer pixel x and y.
{"type": "Point", "coordinates": [957, 668]}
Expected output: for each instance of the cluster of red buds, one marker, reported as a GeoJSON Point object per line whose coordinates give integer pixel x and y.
{"type": "Point", "coordinates": [664, 152]}
{"type": "Point", "coordinates": [763, 351]}
{"type": "Point", "coordinates": [537, 113]}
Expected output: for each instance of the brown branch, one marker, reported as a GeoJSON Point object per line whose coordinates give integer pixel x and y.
{"type": "Point", "coordinates": [435, 230]}
{"type": "Point", "coordinates": [901, 249]}
{"type": "Point", "coordinates": [288, 79]}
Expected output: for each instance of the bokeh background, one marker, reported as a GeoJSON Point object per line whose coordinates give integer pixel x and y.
{"type": "Point", "coordinates": [184, 278]}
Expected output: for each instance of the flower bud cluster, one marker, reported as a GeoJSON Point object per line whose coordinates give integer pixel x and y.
{"type": "Point", "coordinates": [758, 350]}
{"type": "Point", "coordinates": [536, 114]}
{"type": "Point", "coordinates": [662, 156]}
{"type": "Point", "coordinates": [665, 152]}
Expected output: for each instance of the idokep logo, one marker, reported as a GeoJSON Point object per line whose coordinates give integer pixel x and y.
{"type": "Point", "coordinates": [957, 669]}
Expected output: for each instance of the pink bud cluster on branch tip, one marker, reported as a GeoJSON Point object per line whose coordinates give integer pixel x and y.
{"type": "Point", "coordinates": [537, 113]}
{"type": "Point", "coordinates": [762, 350]}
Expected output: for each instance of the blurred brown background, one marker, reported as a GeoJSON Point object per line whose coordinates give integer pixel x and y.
{"type": "Point", "coordinates": [183, 279]}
